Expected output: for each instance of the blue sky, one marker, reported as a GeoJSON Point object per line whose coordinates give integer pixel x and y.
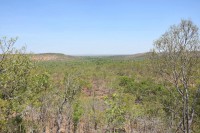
{"type": "Point", "coordinates": [92, 27]}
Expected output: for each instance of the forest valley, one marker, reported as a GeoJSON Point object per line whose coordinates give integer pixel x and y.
{"type": "Point", "coordinates": [154, 92]}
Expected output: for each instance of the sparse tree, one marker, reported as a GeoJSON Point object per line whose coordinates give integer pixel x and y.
{"type": "Point", "coordinates": [67, 95]}
{"type": "Point", "coordinates": [176, 59]}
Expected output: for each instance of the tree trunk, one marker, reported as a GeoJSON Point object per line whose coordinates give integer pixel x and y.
{"type": "Point", "coordinates": [187, 111]}
{"type": "Point", "coordinates": [59, 123]}
{"type": "Point", "coordinates": [69, 124]}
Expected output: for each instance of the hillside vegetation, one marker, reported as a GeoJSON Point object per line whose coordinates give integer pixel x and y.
{"type": "Point", "coordinates": [155, 92]}
{"type": "Point", "coordinates": [50, 57]}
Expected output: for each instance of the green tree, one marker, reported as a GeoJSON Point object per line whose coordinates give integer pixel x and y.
{"type": "Point", "coordinates": [77, 113]}
{"type": "Point", "coordinates": [67, 95]}
{"type": "Point", "coordinates": [15, 72]}
{"type": "Point", "coordinates": [115, 112]}
{"type": "Point", "coordinates": [176, 60]}
{"type": "Point", "coordinates": [20, 87]}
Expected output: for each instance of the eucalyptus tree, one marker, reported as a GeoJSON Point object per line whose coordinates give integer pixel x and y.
{"type": "Point", "coordinates": [176, 59]}
{"type": "Point", "coordinates": [20, 87]}
{"type": "Point", "coordinates": [67, 95]}
{"type": "Point", "coordinates": [15, 72]}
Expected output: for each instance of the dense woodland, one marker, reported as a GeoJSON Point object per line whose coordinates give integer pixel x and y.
{"type": "Point", "coordinates": [156, 92]}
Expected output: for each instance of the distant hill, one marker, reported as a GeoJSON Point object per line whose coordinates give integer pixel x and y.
{"type": "Point", "coordinates": [63, 57]}
{"type": "Point", "coordinates": [138, 56]}
{"type": "Point", "coordinates": [51, 57]}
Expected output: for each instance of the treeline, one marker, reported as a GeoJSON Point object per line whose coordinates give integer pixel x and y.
{"type": "Point", "coordinates": [159, 93]}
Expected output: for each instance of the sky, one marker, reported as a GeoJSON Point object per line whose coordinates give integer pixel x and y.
{"type": "Point", "coordinates": [92, 27]}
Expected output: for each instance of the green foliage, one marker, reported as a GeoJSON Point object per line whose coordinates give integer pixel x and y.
{"type": "Point", "coordinates": [15, 74]}
{"type": "Point", "coordinates": [95, 92]}
{"type": "Point", "coordinates": [175, 60]}
{"type": "Point", "coordinates": [116, 110]}
{"type": "Point", "coordinates": [20, 86]}
{"type": "Point", "coordinates": [77, 114]}
{"type": "Point", "coordinates": [126, 82]}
